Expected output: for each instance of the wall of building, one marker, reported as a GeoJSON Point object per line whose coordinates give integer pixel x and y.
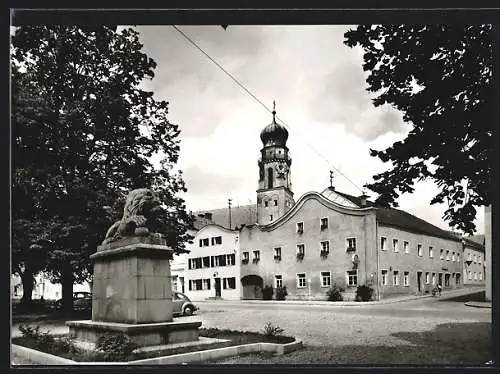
{"type": "Point", "coordinates": [44, 288]}
{"type": "Point", "coordinates": [178, 266]}
{"type": "Point", "coordinates": [228, 246]}
{"type": "Point", "coordinates": [474, 266]}
{"type": "Point", "coordinates": [341, 225]}
{"type": "Point", "coordinates": [412, 263]}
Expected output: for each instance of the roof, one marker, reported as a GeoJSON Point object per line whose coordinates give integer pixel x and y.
{"type": "Point", "coordinates": [475, 241]}
{"type": "Point", "coordinates": [401, 219]}
{"type": "Point", "coordinates": [240, 215]}
{"type": "Point", "coordinates": [247, 215]}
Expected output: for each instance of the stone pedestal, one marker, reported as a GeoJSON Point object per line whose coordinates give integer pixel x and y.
{"type": "Point", "coordinates": [132, 294]}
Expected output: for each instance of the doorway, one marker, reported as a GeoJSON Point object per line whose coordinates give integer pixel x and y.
{"type": "Point", "coordinates": [217, 287]}
{"type": "Point", "coordinates": [419, 281]}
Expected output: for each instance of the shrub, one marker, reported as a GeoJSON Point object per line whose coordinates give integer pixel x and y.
{"type": "Point", "coordinates": [335, 293]}
{"type": "Point", "coordinates": [364, 293]}
{"type": "Point", "coordinates": [46, 342]}
{"type": "Point", "coordinates": [281, 293]}
{"type": "Point", "coordinates": [270, 330]}
{"type": "Point", "coordinates": [115, 347]}
{"type": "Point", "coordinates": [267, 293]}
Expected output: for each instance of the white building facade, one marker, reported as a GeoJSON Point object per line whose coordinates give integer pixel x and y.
{"type": "Point", "coordinates": [213, 265]}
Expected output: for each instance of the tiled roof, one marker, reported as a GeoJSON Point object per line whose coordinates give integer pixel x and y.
{"type": "Point", "coordinates": [402, 219]}
{"type": "Point", "coordinates": [247, 215]}
{"type": "Point", "coordinates": [240, 215]}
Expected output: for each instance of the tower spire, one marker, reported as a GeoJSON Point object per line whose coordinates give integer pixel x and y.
{"type": "Point", "coordinates": [331, 178]}
{"type": "Point", "coordinates": [274, 110]}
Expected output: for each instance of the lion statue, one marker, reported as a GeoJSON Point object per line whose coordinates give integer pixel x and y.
{"type": "Point", "coordinates": [140, 206]}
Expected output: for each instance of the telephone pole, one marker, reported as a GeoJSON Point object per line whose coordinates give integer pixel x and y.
{"type": "Point", "coordinates": [229, 205]}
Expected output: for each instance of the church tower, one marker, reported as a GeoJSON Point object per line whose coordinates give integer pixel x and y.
{"type": "Point", "coordinates": [274, 195]}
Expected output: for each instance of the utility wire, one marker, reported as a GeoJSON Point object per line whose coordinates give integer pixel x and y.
{"type": "Point", "coordinates": [261, 103]}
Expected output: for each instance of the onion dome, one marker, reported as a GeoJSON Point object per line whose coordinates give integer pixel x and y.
{"type": "Point", "coordinates": [274, 133]}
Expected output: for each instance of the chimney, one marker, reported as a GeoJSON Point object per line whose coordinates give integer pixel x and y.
{"type": "Point", "coordinates": [363, 199]}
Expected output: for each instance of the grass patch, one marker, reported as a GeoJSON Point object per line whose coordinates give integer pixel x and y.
{"type": "Point", "coordinates": [81, 355]}
{"type": "Point", "coordinates": [447, 344]}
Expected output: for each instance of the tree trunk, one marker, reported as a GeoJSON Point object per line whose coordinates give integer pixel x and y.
{"type": "Point", "coordinates": [28, 280]}
{"type": "Point", "coordinates": [67, 288]}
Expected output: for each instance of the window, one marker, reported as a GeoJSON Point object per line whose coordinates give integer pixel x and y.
{"type": "Point", "coordinates": [453, 256]}
{"type": "Point", "coordinates": [441, 254]}
{"type": "Point", "coordinates": [352, 278]}
{"type": "Point", "coordinates": [434, 278]}
{"type": "Point", "coordinates": [458, 257]}
{"type": "Point", "coordinates": [431, 252]}
{"type": "Point", "coordinates": [246, 257]}
{"type": "Point", "coordinates": [324, 223]}
{"type": "Point", "coordinates": [277, 253]}
{"type": "Point", "coordinates": [469, 256]}
{"type": "Point", "coordinates": [325, 246]}
{"type": "Point", "coordinates": [206, 262]}
{"type": "Point", "coordinates": [197, 284]}
{"type": "Point", "coordinates": [406, 247]}
{"type": "Point", "coordinates": [479, 259]}
{"type": "Point", "coordinates": [383, 243]}
{"type": "Point", "coordinates": [229, 283]}
{"type": "Point", "coordinates": [447, 280]}
{"type": "Point", "coordinates": [447, 255]}
{"type": "Point", "coordinates": [395, 245]}
{"type": "Point", "coordinates": [419, 250]}
{"type": "Point", "coordinates": [427, 278]}
{"type": "Point", "coordinates": [204, 242]}
{"type": "Point", "coordinates": [206, 284]}
{"type": "Point", "coordinates": [457, 279]}
{"type": "Point", "coordinates": [480, 276]}
{"type": "Point", "coordinates": [300, 227]}
{"type": "Point", "coordinates": [256, 256]}
{"type": "Point", "coordinates": [406, 279]}
{"type": "Point", "coordinates": [475, 276]}
{"type": "Point", "coordinates": [301, 280]}
{"type": "Point", "coordinates": [278, 281]}
{"type": "Point", "coordinates": [395, 278]}
{"type": "Point", "coordinates": [470, 274]}
{"type": "Point", "coordinates": [270, 217]}
{"type": "Point", "coordinates": [351, 244]}
{"type": "Point", "coordinates": [475, 259]}
{"type": "Point", "coordinates": [266, 204]}
{"type": "Point", "coordinates": [231, 259]}
{"type": "Point", "coordinates": [384, 278]}
{"type": "Point", "coordinates": [217, 240]}
{"type": "Point", "coordinates": [301, 249]}
{"type": "Point", "coordinates": [325, 279]}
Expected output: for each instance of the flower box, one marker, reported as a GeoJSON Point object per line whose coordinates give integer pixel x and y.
{"type": "Point", "coordinates": [323, 254]}
{"type": "Point", "coordinates": [277, 258]}
{"type": "Point", "coordinates": [300, 256]}
{"type": "Point", "coordinates": [351, 249]}
{"type": "Point", "coordinates": [244, 261]}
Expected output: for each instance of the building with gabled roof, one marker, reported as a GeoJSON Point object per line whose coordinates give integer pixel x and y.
{"type": "Point", "coordinates": [321, 239]}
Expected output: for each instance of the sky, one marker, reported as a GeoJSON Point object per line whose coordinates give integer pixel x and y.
{"type": "Point", "coordinates": [320, 91]}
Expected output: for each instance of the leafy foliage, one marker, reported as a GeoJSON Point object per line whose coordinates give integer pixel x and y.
{"type": "Point", "coordinates": [281, 293]}
{"type": "Point", "coordinates": [85, 133]}
{"type": "Point", "coordinates": [334, 293]}
{"type": "Point", "coordinates": [46, 342]}
{"type": "Point", "coordinates": [115, 347]}
{"type": "Point", "coordinates": [364, 293]}
{"type": "Point", "coordinates": [271, 330]}
{"type": "Point", "coordinates": [440, 78]}
{"type": "Point", "coordinates": [267, 293]}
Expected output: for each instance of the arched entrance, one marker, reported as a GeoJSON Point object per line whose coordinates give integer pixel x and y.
{"type": "Point", "coordinates": [252, 287]}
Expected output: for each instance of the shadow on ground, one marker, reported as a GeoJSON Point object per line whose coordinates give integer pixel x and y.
{"type": "Point", "coordinates": [448, 344]}
{"type": "Point", "coordinates": [478, 296]}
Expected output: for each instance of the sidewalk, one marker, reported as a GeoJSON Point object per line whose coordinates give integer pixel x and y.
{"type": "Point", "coordinates": [391, 300]}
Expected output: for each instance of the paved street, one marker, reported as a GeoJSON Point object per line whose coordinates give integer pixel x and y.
{"type": "Point", "coordinates": [340, 325]}
{"type": "Point", "coordinates": [324, 326]}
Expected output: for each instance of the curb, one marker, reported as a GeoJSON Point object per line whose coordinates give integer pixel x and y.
{"type": "Point", "coordinates": [475, 304]}
{"type": "Point", "coordinates": [42, 358]}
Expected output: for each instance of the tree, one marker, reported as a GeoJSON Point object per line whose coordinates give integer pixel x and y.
{"type": "Point", "coordinates": [440, 78]}
{"type": "Point", "coordinates": [84, 134]}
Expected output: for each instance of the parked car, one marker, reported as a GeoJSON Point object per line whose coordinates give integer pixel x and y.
{"type": "Point", "coordinates": [182, 306]}
{"type": "Point", "coordinates": [82, 300]}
